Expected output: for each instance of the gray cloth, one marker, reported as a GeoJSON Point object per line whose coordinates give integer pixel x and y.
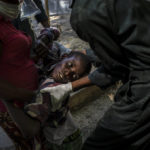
{"type": "Point", "coordinates": [102, 78]}
{"type": "Point", "coordinates": [57, 135]}
{"type": "Point", "coordinates": [119, 33]}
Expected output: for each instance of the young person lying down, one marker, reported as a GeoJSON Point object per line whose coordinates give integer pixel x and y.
{"type": "Point", "coordinates": [51, 115]}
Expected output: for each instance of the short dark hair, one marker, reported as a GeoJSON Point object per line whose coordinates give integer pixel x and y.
{"type": "Point", "coordinates": [87, 64]}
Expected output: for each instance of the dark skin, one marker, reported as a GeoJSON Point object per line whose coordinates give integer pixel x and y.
{"type": "Point", "coordinates": [77, 82]}
{"type": "Point", "coordinates": [69, 69]}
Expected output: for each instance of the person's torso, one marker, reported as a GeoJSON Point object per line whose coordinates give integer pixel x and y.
{"type": "Point", "coordinates": [15, 64]}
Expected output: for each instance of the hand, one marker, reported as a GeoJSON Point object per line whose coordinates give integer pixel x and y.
{"type": "Point", "coordinates": [58, 94]}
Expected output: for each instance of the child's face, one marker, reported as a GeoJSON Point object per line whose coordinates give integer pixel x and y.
{"type": "Point", "coordinates": [69, 69]}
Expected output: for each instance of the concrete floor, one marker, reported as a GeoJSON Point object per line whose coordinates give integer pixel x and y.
{"type": "Point", "coordinates": [88, 116]}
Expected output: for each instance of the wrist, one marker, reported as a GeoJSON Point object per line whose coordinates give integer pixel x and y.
{"type": "Point", "coordinates": [85, 81]}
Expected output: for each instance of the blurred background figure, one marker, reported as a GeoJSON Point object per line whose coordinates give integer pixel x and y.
{"type": "Point", "coordinates": [24, 23]}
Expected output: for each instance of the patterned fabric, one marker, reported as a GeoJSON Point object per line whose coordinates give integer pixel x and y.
{"type": "Point", "coordinates": [13, 132]}
{"type": "Point", "coordinates": [59, 128]}
{"type": "Point", "coordinates": [41, 107]}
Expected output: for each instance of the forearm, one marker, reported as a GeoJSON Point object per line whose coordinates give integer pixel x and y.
{"type": "Point", "coordinates": [45, 24]}
{"type": "Point", "coordinates": [29, 127]}
{"type": "Point", "coordinates": [42, 17]}
{"type": "Point", "coordinates": [11, 92]}
{"type": "Point", "coordinates": [84, 81]}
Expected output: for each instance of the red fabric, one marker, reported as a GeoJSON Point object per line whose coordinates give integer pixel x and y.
{"type": "Point", "coordinates": [15, 63]}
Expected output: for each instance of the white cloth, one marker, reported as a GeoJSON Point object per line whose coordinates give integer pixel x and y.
{"type": "Point", "coordinates": [10, 11]}
{"type": "Point", "coordinates": [58, 94]}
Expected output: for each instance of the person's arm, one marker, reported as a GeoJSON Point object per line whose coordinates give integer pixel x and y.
{"type": "Point", "coordinates": [42, 17]}
{"type": "Point", "coordinates": [29, 127]}
{"type": "Point", "coordinates": [99, 77]}
{"type": "Point", "coordinates": [84, 81]}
